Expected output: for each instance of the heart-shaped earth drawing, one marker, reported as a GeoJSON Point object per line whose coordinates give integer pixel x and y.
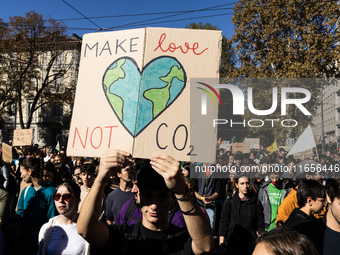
{"type": "Point", "coordinates": [151, 91]}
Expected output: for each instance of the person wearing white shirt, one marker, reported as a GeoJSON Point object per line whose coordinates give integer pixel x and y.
{"type": "Point", "coordinates": [59, 236]}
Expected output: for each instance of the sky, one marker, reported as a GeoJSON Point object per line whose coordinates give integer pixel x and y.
{"type": "Point", "coordinates": [179, 12]}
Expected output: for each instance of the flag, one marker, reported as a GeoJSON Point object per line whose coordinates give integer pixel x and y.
{"type": "Point", "coordinates": [304, 142]}
{"type": "Point", "coordinates": [57, 147]}
{"type": "Point", "coordinates": [219, 141]}
{"type": "Point", "coordinates": [272, 147]}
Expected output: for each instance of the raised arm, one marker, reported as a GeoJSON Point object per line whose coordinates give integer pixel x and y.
{"type": "Point", "coordinates": [196, 222]}
{"type": "Point", "coordinates": [88, 226]}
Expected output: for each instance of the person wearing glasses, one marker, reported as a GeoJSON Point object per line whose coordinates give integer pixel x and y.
{"type": "Point", "coordinates": [59, 235]}
{"type": "Point", "coordinates": [325, 232]}
{"type": "Point", "coordinates": [271, 194]}
{"type": "Point", "coordinates": [311, 199]}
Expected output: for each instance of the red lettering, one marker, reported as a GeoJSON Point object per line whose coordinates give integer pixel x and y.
{"type": "Point", "coordinates": [110, 135]}
{"type": "Point", "coordinates": [194, 47]}
{"type": "Point", "coordinates": [101, 137]}
{"type": "Point", "coordinates": [172, 47]}
{"type": "Point", "coordinates": [188, 47]}
{"type": "Point", "coordinates": [81, 141]}
{"type": "Point", "coordinates": [161, 40]}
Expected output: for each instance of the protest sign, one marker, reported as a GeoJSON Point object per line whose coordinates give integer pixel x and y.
{"type": "Point", "coordinates": [304, 154]}
{"type": "Point", "coordinates": [225, 146]}
{"type": "Point", "coordinates": [242, 147]}
{"type": "Point", "coordinates": [133, 91]}
{"type": "Point", "coordinates": [22, 137]}
{"type": "Point", "coordinates": [6, 152]}
{"type": "Point", "coordinates": [254, 143]}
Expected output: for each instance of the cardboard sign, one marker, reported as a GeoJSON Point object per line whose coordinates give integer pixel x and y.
{"type": "Point", "coordinates": [242, 147]}
{"type": "Point", "coordinates": [22, 137]}
{"type": "Point", "coordinates": [133, 91]}
{"type": "Point", "coordinates": [6, 152]}
{"type": "Point", "coordinates": [225, 146]}
{"type": "Point", "coordinates": [306, 154]}
{"type": "Point", "coordinates": [253, 142]}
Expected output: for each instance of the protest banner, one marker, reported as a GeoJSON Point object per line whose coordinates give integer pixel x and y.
{"type": "Point", "coordinates": [133, 91]}
{"type": "Point", "coordinates": [22, 137]}
{"type": "Point", "coordinates": [225, 146]}
{"type": "Point", "coordinates": [254, 143]}
{"type": "Point", "coordinates": [304, 154]}
{"type": "Point", "coordinates": [242, 147]}
{"type": "Point", "coordinates": [6, 152]}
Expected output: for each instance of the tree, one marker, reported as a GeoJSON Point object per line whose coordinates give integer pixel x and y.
{"type": "Point", "coordinates": [286, 39]}
{"type": "Point", "coordinates": [35, 57]}
{"type": "Point", "coordinates": [228, 69]}
{"type": "Point", "coordinates": [228, 57]}
{"type": "Point", "coordinates": [7, 97]}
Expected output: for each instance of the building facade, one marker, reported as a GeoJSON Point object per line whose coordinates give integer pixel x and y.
{"type": "Point", "coordinates": [50, 122]}
{"type": "Point", "coordinates": [327, 118]}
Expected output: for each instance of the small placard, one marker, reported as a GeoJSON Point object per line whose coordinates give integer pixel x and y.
{"type": "Point", "coordinates": [22, 137]}
{"type": "Point", "coordinates": [6, 152]}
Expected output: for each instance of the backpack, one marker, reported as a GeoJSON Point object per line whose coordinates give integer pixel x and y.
{"type": "Point", "coordinates": [128, 216]}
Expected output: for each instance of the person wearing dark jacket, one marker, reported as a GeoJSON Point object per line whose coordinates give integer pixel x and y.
{"type": "Point", "coordinates": [311, 199]}
{"type": "Point", "coordinates": [325, 232]}
{"type": "Point", "coordinates": [296, 218]}
{"type": "Point", "coordinates": [242, 220]}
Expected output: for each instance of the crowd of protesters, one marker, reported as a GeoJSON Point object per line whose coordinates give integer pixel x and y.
{"type": "Point", "coordinates": [54, 204]}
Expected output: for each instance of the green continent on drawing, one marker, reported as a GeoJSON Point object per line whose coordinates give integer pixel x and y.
{"type": "Point", "coordinates": [111, 76]}
{"type": "Point", "coordinates": [151, 92]}
{"type": "Point", "coordinates": [160, 97]}
{"type": "Point", "coordinates": [163, 80]}
{"type": "Point", "coordinates": [121, 85]}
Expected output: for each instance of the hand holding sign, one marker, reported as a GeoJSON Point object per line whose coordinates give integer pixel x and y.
{"type": "Point", "coordinates": [133, 86]}
{"type": "Point", "coordinates": [110, 162]}
{"type": "Point", "coordinates": [171, 171]}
